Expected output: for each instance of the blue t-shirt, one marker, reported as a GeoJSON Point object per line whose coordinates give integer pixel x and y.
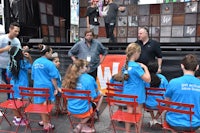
{"type": "Point", "coordinates": [4, 57]}
{"type": "Point", "coordinates": [22, 77]}
{"type": "Point", "coordinates": [151, 100]}
{"type": "Point", "coordinates": [116, 87]}
{"type": "Point", "coordinates": [185, 89]}
{"type": "Point", "coordinates": [135, 85]}
{"type": "Point", "coordinates": [85, 82]}
{"type": "Point", "coordinates": [43, 70]}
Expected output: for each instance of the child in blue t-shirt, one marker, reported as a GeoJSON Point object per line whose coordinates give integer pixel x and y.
{"type": "Point", "coordinates": [56, 61]}
{"type": "Point", "coordinates": [157, 81]}
{"type": "Point", "coordinates": [44, 75]}
{"type": "Point", "coordinates": [18, 72]}
{"type": "Point", "coordinates": [135, 74]}
{"type": "Point", "coordinates": [77, 78]}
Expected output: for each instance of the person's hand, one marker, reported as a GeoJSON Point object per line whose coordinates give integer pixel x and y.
{"type": "Point", "coordinates": [159, 70]}
{"type": "Point", "coordinates": [142, 65]}
{"type": "Point", "coordinates": [55, 92]}
{"type": "Point", "coordinates": [7, 48]}
{"type": "Point", "coordinates": [26, 54]}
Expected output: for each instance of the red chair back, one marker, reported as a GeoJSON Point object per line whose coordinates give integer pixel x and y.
{"type": "Point", "coordinates": [153, 91]}
{"type": "Point", "coordinates": [69, 93]}
{"type": "Point", "coordinates": [165, 105]}
{"type": "Point", "coordinates": [30, 92]}
{"type": "Point", "coordinates": [111, 87]}
{"type": "Point", "coordinates": [6, 88]}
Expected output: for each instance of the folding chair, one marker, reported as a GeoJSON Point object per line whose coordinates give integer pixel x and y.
{"type": "Point", "coordinates": [111, 87]}
{"type": "Point", "coordinates": [36, 108]}
{"type": "Point", "coordinates": [165, 105]}
{"type": "Point", "coordinates": [85, 95]}
{"type": "Point", "coordinates": [120, 115]}
{"type": "Point", "coordinates": [153, 92]}
{"type": "Point", "coordinates": [10, 104]}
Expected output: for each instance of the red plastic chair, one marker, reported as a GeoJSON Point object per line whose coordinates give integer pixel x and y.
{"type": "Point", "coordinates": [165, 105]}
{"type": "Point", "coordinates": [120, 115]}
{"type": "Point", "coordinates": [153, 91]}
{"type": "Point", "coordinates": [10, 104]}
{"type": "Point", "coordinates": [36, 108]}
{"type": "Point", "coordinates": [71, 94]}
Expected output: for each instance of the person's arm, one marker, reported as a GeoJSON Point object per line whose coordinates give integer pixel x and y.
{"type": "Point", "coordinates": [159, 65]}
{"type": "Point", "coordinates": [87, 21]}
{"type": "Point", "coordinates": [73, 52]}
{"type": "Point", "coordinates": [28, 57]}
{"type": "Point", "coordinates": [57, 89]}
{"type": "Point", "coordinates": [102, 58]}
{"type": "Point", "coordinates": [121, 8]}
{"type": "Point", "coordinates": [146, 76]}
{"type": "Point", "coordinates": [4, 49]}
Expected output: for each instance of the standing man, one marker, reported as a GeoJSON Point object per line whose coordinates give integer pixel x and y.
{"type": "Point", "coordinates": [93, 18]}
{"type": "Point", "coordinates": [6, 41]}
{"type": "Point", "coordinates": [110, 19]}
{"type": "Point", "coordinates": [185, 89]}
{"type": "Point", "coordinates": [150, 49]}
{"type": "Point", "coordinates": [90, 50]}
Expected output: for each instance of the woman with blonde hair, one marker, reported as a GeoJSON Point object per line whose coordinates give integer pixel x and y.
{"type": "Point", "coordinates": [134, 76]}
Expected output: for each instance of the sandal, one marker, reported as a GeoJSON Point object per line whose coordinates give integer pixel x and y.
{"type": "Point", "coordinates": [87, 129]}
{"type": "Point", "coordinates": [77, 129]}
{"type": "Point", "coordinates": [49, 127]}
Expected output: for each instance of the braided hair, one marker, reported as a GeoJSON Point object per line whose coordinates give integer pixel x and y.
{"type": "Point", "coordinates": [131, 49]}
{"type": "Point", "coordinates": [16, 56]}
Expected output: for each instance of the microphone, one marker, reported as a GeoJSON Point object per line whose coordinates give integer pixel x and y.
{"type": "Point", "coordinates": [9, 42]}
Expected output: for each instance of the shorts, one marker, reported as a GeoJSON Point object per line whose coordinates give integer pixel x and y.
{"type": "Point", "coordinates": [84, 115]}
{"type": "Point", "coordinates": [95, 29]}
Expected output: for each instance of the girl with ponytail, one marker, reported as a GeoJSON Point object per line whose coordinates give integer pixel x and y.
{"type": "Point", "coordinates": [18, 72]}
{"type": "Point", "coordinates": [157, 81]}
{"type": "Point", "coordinates": [134, 76]}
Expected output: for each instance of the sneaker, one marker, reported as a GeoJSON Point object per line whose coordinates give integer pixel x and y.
{"type": "Point", "coordinates": [40, 123]}
{"type": "Point", "coordinates": [1, 113]}
{"type": "Point", "coordinates": [87, 129]}
{"type": "Point", "coordinates": [18, 121]}
{"type": "Point", "coordinates": [77, 129]}
{"type": "Point", "coordinates": [49, 127]}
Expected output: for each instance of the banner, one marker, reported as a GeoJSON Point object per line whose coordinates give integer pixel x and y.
{"type": "Point", "coordinates": [110, 66]}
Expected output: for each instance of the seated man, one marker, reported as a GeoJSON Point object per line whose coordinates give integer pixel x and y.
{"type": "Point", "coordinates": [185, 89]}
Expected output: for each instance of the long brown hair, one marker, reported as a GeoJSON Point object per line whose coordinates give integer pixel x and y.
{"type": "Point", "coordinates": [72, 74]}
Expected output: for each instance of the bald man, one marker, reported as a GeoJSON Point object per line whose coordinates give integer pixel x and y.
{"type": "Point", "coordinates": [150, 49]}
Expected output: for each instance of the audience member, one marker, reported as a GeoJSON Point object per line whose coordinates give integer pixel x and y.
{"type": "Point", "coordinates": [157, 81]}
{"type": "Point", "coordinates": [44, 75]}
{"type": "Point", "coordinates": [134, 76]}
{"type": "Point", "coordinates": [93, 18]}
{"type": "Point", "coordinates": [185, 89]}
{"type": "Point", "coordinates": [89, 49]}
{"type": "Point", "coordinates": [6, 41]}
{"type": "Point", "coordinates": [76, 78]}
{"type": "Point", "coordinates": [110, 19]}
{"type": "Point", "coordinates": [18, 72]}
{"type": "Point", "coordinates": [150, 48]}
{"type": "Point", "coordinates": [56, 61]}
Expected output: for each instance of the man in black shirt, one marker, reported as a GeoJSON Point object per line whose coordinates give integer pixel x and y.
{"type": "Point", "coordinates": [150, 49]}
{"type": "Point", "coordinates": [93, 18]}
{"type": "Point", "coordinates": [110, 19]}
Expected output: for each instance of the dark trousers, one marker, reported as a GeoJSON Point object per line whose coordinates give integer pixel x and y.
{"type": "Point", "coordinates": [94, 74]}
{"type": "Point", "coordinates": [109, 32]}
